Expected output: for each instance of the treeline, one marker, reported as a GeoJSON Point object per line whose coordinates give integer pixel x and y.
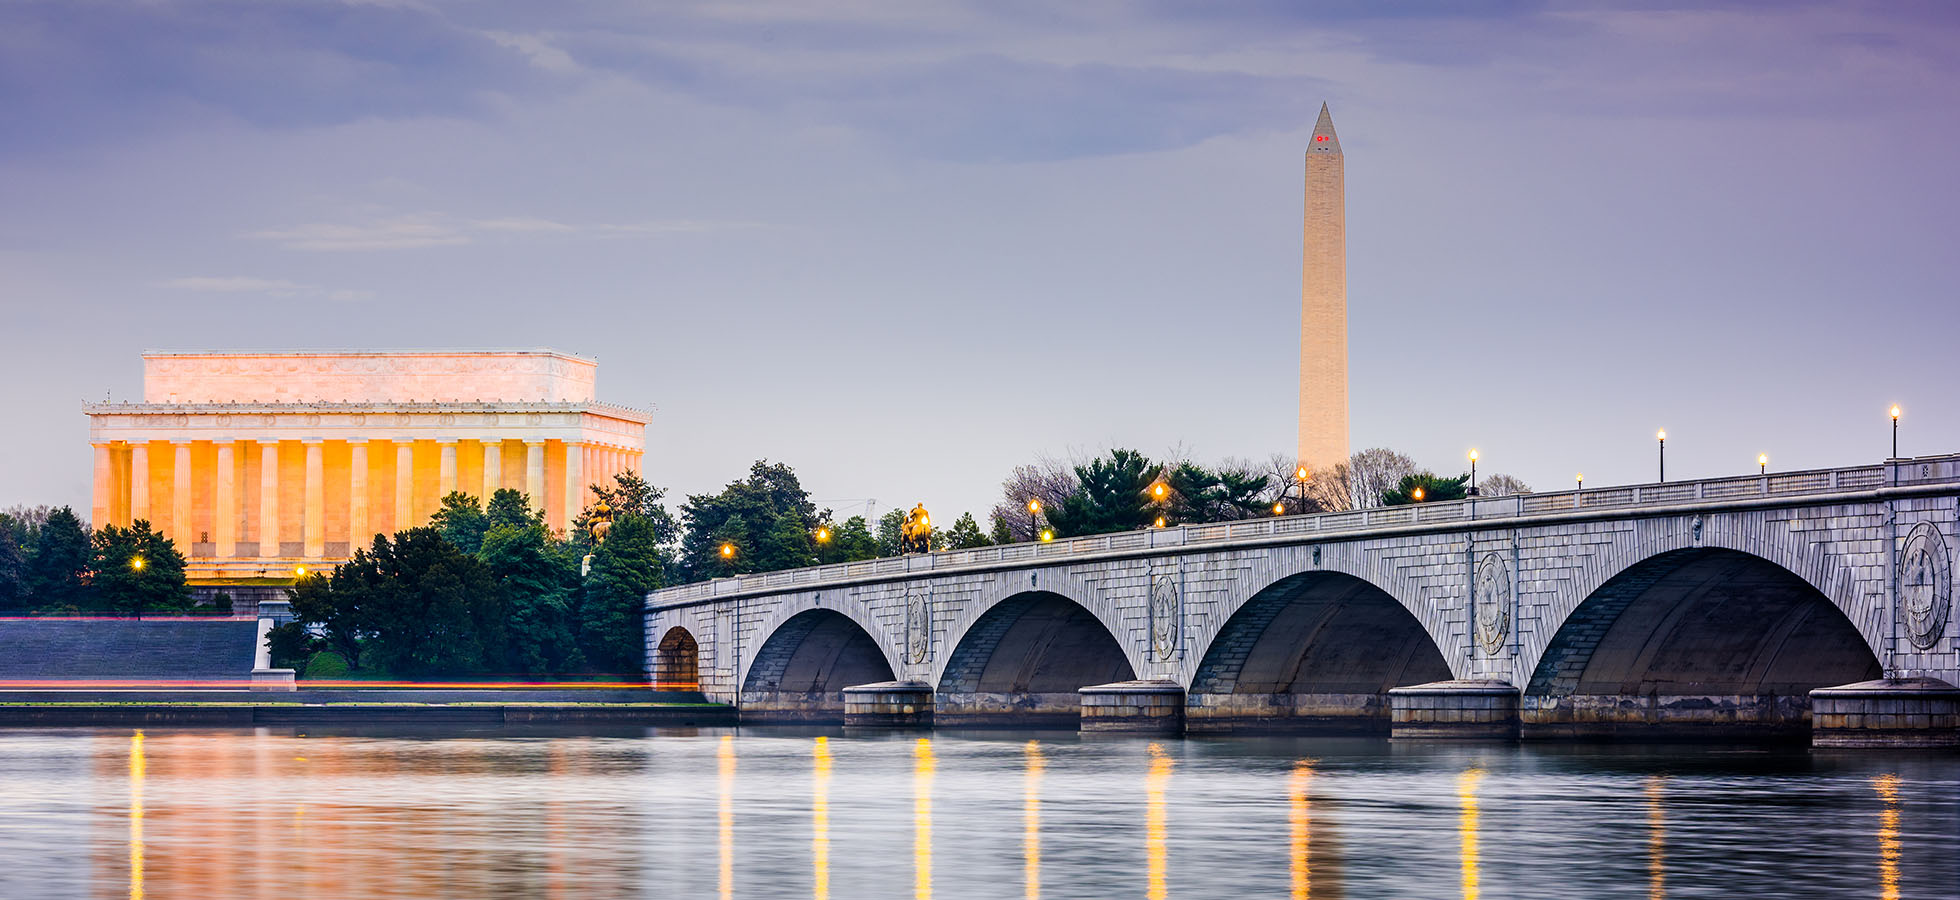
{"type": "Point", "coordinates": [52, 564]}
{"type": "Point", "coordinates": [487, 588]}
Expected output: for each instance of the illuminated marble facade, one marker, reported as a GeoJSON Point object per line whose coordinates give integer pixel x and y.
{"type": "Point", "coordinates": [258, 463]}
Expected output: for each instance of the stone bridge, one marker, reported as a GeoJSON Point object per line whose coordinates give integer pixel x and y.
{"type": "Point", "coordinates": [1696, 607]}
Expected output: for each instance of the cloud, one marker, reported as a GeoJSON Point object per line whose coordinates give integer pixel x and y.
{"type": "Point", "coordinates": [429, 230]}
{"type": "Point", "coordinates": [274, 287]}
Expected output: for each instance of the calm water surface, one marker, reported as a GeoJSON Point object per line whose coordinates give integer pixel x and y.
{"type": "Point", "coordinates": [283, 813]}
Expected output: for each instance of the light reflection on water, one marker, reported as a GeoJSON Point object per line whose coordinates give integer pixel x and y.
{"type": "Point", "coordinates": [213, 814]}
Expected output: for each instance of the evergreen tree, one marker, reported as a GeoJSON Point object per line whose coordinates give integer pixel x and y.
{"type": "Point", "coordinates": [767, 516]}
{"type": "Point", "coordinates": [1000, 534]}
{"type": "Point", "coordinates": [13, 567]}
{"type": "Point", "coordinates": [461, 522]}
{"type": "Point", "coordinates": [625, 568]}
{"type": "Point", "coordinates": [849, 542]}
{"type": "Point", "coordinates": [510, 508]}
{"type": "Point", "coordinates": [413, 606]}
{"type": "Point", "coordinates": [57, 568]}
{"type": "Point", "coordinates": [538, 585]}
{"type": "Point", "coordinates": [1434, 488]}
{"type": "Point", "coordinates": [965, 534]}
{"type": "Point", "coordinates": [1110, 496]}
{"type": "Point", "coordinates": [137, 570]}
{"type": "Point", "coordinates": [890, 530]}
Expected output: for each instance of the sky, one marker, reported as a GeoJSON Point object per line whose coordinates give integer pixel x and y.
{"type": "Point", "coordinates": [904, 247]}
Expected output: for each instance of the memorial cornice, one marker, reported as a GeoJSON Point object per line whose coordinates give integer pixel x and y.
{"type": "Point", "coordinates": [610, 410]}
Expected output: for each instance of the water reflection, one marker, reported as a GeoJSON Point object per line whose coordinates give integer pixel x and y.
{"type": "Point", "coordinates": [1466, 793]}
{"type": "Point", "coordinates": [1299, 817]}
{"type": "Point", "coordinates": [820, 821]}
{"type": "Point", "coordinates": [922, 819]}
{"type": "Point", "coordinates": [1031, 822]}
{"type": "Point", "coordinates": [1156, 821]}
{"type": "Point", "coordinates": [214, 814]}
{"type": "Point", "coordinates": [1887, 786]}
{"type": "Point", "coordinates": [138, 767]}
{"type": "Point", "coordinates": [725, 764]}
{"type": "Point", "coordinates": [1656, 839]}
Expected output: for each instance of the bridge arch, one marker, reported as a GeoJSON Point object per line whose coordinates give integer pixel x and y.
{"type": "Point", "coordinates": [840, 602]}
{"type": "Point", "coordinates": [801, 664]}
{"type": "Point", "coordinates": [1021, 660]}
{"type": "Point", "coordinates": [1835, 581]}
{"type": "Point", "coordinates": [1695, 640]}
{"type": "Point", "coordinates": [1276, 565]}
{"type": "Point", "coordinates": [1009, 585]}
{"type": "Point", "coordinates": [1314, 650]}
{"type": "Point", "coordinates": [676, 664]}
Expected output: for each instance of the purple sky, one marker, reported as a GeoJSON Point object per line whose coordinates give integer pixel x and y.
{"type": "Point", "coordinates": [806, 231]}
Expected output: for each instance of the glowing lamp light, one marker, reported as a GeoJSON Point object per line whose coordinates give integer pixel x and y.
{"type": "Point", "coordinates": [1034, 507]}
{"type": "Point", "coordinates": [1660, 435]}
{"type": "Point", "coordinates": [1895, 412]}
{"type": "Point", "coordinates": [727, 551]}
{"type": "Point", "coordinates": [1157, 490]}
{"type": "Point", "coordinates": [1418, 495]}
{"type": "Point", "coordinates": [1047, 534]}
{"type": "Point", "coordinates": [1160, 522]}
{"type": "Point", "coordinates": [300, 571]}
{"type": "Point", "coordinates": [1279, 509]}
{"type": "Point", "coordinates": [1473, 454]}
{"type": "Point", "coordinates": [1300, 473]}
{"type": "Point", "coordinates": [823, 534]}
{"type": "Point", "coordinates": [136, 564]}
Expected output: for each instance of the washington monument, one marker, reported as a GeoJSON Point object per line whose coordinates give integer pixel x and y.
{"type": "Point", "coordinates": [1323, 304]}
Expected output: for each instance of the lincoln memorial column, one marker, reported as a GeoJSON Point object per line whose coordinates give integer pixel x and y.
{"type": "Point", "coordinates": [224, 502]}
{"type": "Point", "coordinates": [493, 468]}
{"type": "Point", "coordinates": [182, 530]}
{"type": "Point", "coordinates": [534, 471]}
{"type": "Point", "coordinates": [446, 475]}
{"type": "Point", "coordinates": [104, 475]}
{"type": "Point", "coordinates": [139, 481]}
{"type": "Point", "coordinates": [404, 484]}
{"type": "Point", "coordinates": [269, 498]}
{"type": "Point", "coordinates": [316, 499]}
{"type": "Point", "coordinates": [574, 485]}
{"type": "Point", "coordinates": [358, 534]}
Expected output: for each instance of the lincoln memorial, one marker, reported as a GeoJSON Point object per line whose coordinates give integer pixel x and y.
{"type": "Point", "coordinates": [257, 464]}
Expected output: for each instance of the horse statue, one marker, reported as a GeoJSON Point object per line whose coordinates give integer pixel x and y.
{"type": "Point", "coordinates": [915, 536]}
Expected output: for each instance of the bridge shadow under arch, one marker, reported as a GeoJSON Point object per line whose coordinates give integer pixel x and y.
{"type": "Point", "coordinates": [1694, 642]}
{"type": "Point", "coordinates": [1317, 651]}
{"type": "Point", "coordinates": [1021, 663]}
{"type": "Point", "coordinates": [677, 661]}
{"type": "Point", "coordinates": [803, 667]}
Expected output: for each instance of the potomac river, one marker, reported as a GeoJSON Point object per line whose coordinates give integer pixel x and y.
{"type": "Point", "coordinates": [772, 812]}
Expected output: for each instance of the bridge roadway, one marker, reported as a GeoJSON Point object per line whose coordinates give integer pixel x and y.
{"type": "Point", "coordinates": [1682, 608]}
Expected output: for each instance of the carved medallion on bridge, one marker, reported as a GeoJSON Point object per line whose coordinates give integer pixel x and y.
{"type": "Point", "coordinates": [918, 626]}
{"type": "Point", "coordinates": [1925, 585]}
{"type": "Point", "coordinates": [1164, 610]}
{"type": "Point", "coordinates": [1491, 604]}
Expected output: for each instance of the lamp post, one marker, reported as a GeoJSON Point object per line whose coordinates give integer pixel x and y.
{"type": "Point", "coordinates": [1279, 509]}
{"type": "Point", "coordinates": [1762, 464]}
{"type": "Point", "coordinates": [1662, 436]}
{"type": "Point", "coordinates": [1473, 471]}
{"type": "Point", "coordinates": [1581, 477]}
{"type": "Point", "coordinates": [1300, 475]}
{"type": "Point", "coordinates": [1895, 431]}
{"type": "Point", "coordinates": [727, 556]}
{"type": "Point", "coordinates": [1034, 520]}
{"type": "Point", "coordinates": [1418, 494]}
{"type": "Point", "coordinates": [823, 538]}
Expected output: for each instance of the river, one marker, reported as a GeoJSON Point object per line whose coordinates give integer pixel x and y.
{"type": "Point", "coordinates": [764, 812]}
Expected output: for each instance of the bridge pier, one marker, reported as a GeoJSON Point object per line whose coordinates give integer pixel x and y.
{"type": "Point", "coordinates": [1139, 707]}
{"type": "Point", "coordinates": [1887, 712]}
{"type": "Point", "coordinates": [1454, 710]}
{"type": "Point", "coordinates": [889, 704]}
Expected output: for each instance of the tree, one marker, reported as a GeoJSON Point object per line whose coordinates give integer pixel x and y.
{"type": "Point", "coordinates": [461, 522]}
{"type": "Point", "coordinates": [58, 565]}
{"type": "Point", "coordinates": [1225, 494]}
{"type": "Point", "coordinates": [965, 534]}
{"type": "Point", "coordinates": [1000, 533]}
{"type": "Point", "coordinates": [849, 542]}
{"type": "Point", "coordinates": [1048, 479]}
{"type": "Point", "coordinates": [1110, 496]}
{"type": "Point", "coordinates": [1361, 481]}
{"type": "Point", "coordinates": [767, 516]}
{"type": "Point", "coordinates": [890, 526]}
{"type": "Point", "coordinates": [511, 508]}
{"type": "Point", "coordinates": [625, 568]}
{"type": "Point", "coordinates": [538, 584]}
{"type": "Point", "coordinates": [137, 569]}
{"type": "Point", "coordinates": [630, 494]}
{"type": "Point", "coordinates": [13, 567]}
{"type": "Point", "coordinates": [1434, 489]}
{"type": "Point", "coordinates": [415, 605]}
{"type": "Point", "coordinates": [1501, 485]}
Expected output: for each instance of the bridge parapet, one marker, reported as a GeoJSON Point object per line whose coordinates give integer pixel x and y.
{"type": "Point", "coordinates": [1603, 501]}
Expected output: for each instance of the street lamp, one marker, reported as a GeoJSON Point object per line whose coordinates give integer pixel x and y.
{"type": "Point", "coordinates": [1473, 471]}
{"type": "Point", "coordinates": [1581, 477]}
{"type": "Point", "coordinates": [1034, 518]}
{"type": "Point", "coordinates": [1418, 494]}
{"type": "Point", "coordinates": [1762, 464]}
{"type": "Point", "coordinates": [299, 571]}
{"type": "Point", "coordinates": [727, 551]}
{"type": "Point", "coordinates": [1279, 509]}
{"type": "Point", "coordinates": [1895, 431]}
{"type": "Point", "coordinates": [1300, 474]}
{"type": "Point", "coordinates": [1160, 522]}
{"type": "Point", "coordinates": [1047, 534]}
{"type": "Point", "coordinates": [1662, 436]}
{"type": "Point", "coordinates": [136, 563]}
